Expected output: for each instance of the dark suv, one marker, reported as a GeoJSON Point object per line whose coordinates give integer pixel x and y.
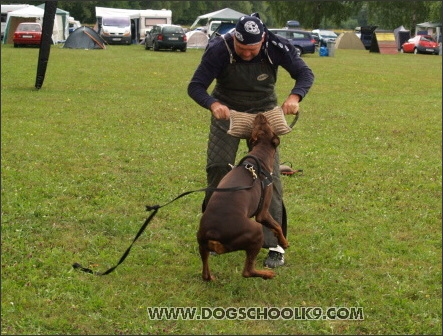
{"type": "Point", "coordinates": [166, 37]}
{"type": "Point", "coordinates": [302, 40]}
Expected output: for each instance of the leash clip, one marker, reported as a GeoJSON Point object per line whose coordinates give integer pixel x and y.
{"type": "Point", "coordinates": [250, 167]}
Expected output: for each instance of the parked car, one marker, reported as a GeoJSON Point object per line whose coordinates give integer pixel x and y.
{"type": "Point", "coordinates": [166, 36]}
{"type": "Point", "coordinates": [27, 33]}
{"type": "Point", "coordinates": [302, 40]}
{"type": "Point", "coordinates": [421, 44]}
{"type": "Point", "coordinates": [322, 37]}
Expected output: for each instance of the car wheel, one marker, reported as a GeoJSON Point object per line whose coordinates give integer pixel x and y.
{"type": "Point", "coordinates": [146, 46]}
{"type": "Point", "coordinates": [15, 45]}
{"type": "Point", "coordinates": [155, 46]}
{"type": "Point", "coordinates": [415, 51]}
{"type": "Point", "coordinates": [402, 51]}
{"type": "Point", "coordinates": [183, 50]}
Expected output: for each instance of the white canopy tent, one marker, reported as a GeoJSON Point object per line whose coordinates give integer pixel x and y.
{"type": "Point", "coordinates": [62, 19]}
{"type": "Point", "coordinates": [33, 14]}
{"type": "Point", "coordinates": [226, 14]}
{"type": "Point", "coordinates": [429, 28]}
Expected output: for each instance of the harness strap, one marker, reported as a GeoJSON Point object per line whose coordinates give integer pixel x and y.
{"type": "Point", "coordinates": [231, 56]}
{"type": "Point", "coordinates": [266, 182]}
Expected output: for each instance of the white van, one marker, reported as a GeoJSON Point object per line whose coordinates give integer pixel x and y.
{"type": "Point", "coordinates": [115, 29]}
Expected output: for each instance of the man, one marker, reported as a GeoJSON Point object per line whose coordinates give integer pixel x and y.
{"type": "Point", "coordinates": [244, 64]}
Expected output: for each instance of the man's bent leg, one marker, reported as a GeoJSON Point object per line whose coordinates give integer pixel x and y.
{"type": "Point", "coordinates": [222, 149]}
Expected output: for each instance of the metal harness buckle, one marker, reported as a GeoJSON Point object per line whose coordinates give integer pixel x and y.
{"type": "Point", "coordinates": [250, 167]}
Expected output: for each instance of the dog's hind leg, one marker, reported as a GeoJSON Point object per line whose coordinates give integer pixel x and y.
{"type": "Point", "coordinates": [249, 270]}
{"type": "Point", "coordinates": [204, 254]}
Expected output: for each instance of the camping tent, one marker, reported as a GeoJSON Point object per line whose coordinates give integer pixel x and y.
{"type": "Point", "coordinates": [197, 39]}
{"type": "Point", "coordinates": [401, 35]}
{"type": "Point", "coordinates": [225, 14]}
{"type": "Point", "coordinates": [62, 18]}
{"type": "Point", "coordinates": [30, 14]}
{"type": "Point", "coordinates": [349, 40]}
{"type": "Point", "coordinates": [84, 38]}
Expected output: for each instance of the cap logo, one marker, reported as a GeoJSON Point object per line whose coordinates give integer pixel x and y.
{"type": "Point", "coordinates": [252, 28]}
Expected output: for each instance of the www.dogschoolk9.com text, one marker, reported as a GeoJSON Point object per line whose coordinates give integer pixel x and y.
{"type": "Point", "coordinates": [255, 313]}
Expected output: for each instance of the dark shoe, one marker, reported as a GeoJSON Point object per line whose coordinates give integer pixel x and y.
{"type": "Point", "coordinates": [274, 259]}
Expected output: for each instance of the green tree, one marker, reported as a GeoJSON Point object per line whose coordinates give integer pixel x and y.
{"type": "Point", "coordinates": [391, 14]}
{"type": "Point", "coordinates": [315, 14]}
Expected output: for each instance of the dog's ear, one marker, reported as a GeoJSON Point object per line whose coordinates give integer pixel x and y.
{"type": "Point", "coordinates": [252, 141]}
{"type": "Point", "coordinates": [276, 140]}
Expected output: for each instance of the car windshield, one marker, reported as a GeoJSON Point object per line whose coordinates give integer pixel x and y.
{"type": "Point", "coordinates": [172, 30]}
{"type": "Point", "coordinates": [328, 35]}
{"type": "Point", "coordinates": [29, 27]}
{"type": "Point", "coordinates": [427, 39]}
{"type": "Point", "coordinates": [297, 35]}
{"type": "Point", "coordinates": [291, 34]}
{"type": "Point", "coordinates": [116, 21]}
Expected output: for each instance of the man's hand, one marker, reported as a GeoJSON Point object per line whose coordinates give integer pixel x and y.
{"type": "Point", "coordinates": [290, 106]}
{"type": "Point", "coordinates": [220, 111]}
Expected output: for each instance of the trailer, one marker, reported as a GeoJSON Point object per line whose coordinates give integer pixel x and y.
{"type": "Point", "coordinates": [151, 17]}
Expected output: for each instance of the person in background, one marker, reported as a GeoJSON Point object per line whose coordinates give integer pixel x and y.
{"type": "Point", "coordinates": [244, 65]}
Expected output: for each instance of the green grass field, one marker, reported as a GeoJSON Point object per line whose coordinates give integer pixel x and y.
{"type": "Point", "coordinates": [113, 130]}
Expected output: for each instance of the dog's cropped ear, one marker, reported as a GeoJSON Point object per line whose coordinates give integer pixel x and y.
{"type": "Point", "coordinates": [276, 140]}
{"type": "Point", "coordinates": [252, 140]}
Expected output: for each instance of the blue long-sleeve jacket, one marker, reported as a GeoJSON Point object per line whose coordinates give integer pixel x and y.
{"type": "Point", "coordinates": [277, 50]}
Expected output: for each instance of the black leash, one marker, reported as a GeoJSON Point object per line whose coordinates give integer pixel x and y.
{"type": "Point", "coordinates": [155, 209]}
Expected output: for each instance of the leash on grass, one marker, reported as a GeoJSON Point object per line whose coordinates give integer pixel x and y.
{"type": "Point", "coordinates": [155, 209]}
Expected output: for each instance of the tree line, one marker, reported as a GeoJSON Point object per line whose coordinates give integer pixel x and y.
{"type": "Point", "coordinates": [311, 14]}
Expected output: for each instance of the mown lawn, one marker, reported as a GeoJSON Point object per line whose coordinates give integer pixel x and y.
{"type": "Point", "coordinates": [114, 130]}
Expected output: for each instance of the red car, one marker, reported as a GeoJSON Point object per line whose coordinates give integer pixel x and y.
{"type": "Point", "coordinates": [421, 44]}
{"type": "Point", "coordinates": [28, 33]}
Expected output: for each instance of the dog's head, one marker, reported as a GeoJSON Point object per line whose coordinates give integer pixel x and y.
{"type": "Point", "coordinates": [262, 132]}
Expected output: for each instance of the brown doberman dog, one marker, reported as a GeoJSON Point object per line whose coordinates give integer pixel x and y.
{"type": "Point", "coordinates": [227, 224]}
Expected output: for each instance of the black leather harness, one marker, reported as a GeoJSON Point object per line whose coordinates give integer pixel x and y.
{"type": "Point", "coordinates": [257, 171]}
